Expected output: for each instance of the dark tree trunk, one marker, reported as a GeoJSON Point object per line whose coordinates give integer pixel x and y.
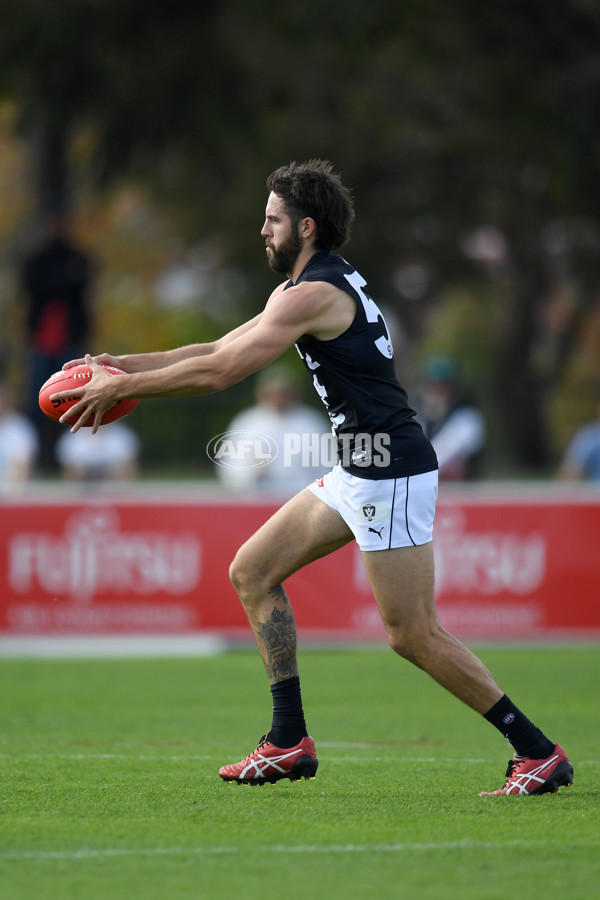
{"type": "Point", "coordinates": [51, 177]}
{"type": "Point", "coordinates": [519, 388]}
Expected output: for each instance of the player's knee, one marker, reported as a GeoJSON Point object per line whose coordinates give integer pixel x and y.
{"type": "Point", "coordinates": [243, 575]}
{"type": "Point", "coordinates": [238, 574]}
{"type": "Point", "coordinates": [400, 645]}
{"type": "Point", "coordinates": [412, 644]}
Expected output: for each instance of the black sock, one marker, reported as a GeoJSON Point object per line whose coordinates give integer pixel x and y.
{"type": "Point", "coordinates": [288, 727]}
{"type": "Point", "coordinates": [523, 734]}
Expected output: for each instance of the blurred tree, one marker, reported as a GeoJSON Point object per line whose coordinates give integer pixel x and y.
{"type": "Point", "coordinates": [468, 131]}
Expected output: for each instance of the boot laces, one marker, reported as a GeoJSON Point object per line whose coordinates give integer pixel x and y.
{"type": "Point", "coordinates": [513, 765]}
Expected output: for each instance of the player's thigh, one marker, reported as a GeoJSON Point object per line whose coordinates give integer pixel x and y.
{"type": "Point", "coordinates": [402, 582]}
{"type": "Point", "coordinates": [302, 530]}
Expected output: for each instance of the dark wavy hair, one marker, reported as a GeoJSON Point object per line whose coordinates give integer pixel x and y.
{"type": "Point", "coordinates": [313, 189]}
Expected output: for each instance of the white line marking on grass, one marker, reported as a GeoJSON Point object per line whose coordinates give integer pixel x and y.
{"type": "Point", "coordinates": [143, 757]}
{"type": "Point", "coordinates": [363, 745]}
{"type": "Point", "coordinates": [438, 760]}
{"type": "Point", "coordinates": [111, 852]}
{"type": "Point", "coordinates": [101, 647]}
{"type": "Point", "coordinates": [203, 757]}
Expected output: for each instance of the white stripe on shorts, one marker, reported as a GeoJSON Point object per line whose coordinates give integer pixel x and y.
{"type": "Point", "coordinates": [384, 514]}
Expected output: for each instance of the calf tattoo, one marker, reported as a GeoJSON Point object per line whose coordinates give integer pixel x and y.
{"type": "Point", "coordinates": [278, 637]}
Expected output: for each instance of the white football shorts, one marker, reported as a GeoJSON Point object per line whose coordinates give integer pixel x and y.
{"type": "Point", "coordinates": [382, 515]}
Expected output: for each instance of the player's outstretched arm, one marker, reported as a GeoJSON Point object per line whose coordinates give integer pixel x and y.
{"type": "Point", "coordinates": [162, 359]}
{"type": "Point", "coordinates": [307, 308]}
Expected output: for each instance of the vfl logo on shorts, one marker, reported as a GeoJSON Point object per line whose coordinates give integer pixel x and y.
{"type": "Point", "coordinates": [371, 512]}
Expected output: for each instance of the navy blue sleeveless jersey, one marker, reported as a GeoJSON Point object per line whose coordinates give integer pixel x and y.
{"type": "Point", "coordinates": [354, 375]}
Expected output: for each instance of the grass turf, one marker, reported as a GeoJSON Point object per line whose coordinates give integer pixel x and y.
{"type": "Point", "coordinates": [109, 786]}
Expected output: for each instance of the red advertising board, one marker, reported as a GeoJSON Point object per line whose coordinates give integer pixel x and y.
{"type": "Point", "coordinates": [506, 568]}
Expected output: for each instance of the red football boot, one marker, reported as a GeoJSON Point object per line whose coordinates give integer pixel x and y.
{"type": "Point", "coordinates": [536, 776]}
{"type": "Point", "coordinates": [270, 764]}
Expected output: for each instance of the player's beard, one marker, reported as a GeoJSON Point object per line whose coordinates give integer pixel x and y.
{"type": "Point", "coordinates": [284, 258]}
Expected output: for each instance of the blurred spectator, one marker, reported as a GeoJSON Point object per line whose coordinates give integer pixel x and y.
{"type": "Point", "coordinates": [56, 280]}
{"type": "Point", "coordinates": [109, 455]}
{"type": "Point", "coordinates": [451, 420]}
{"type": "Point", "coordinates": [18, 444]}
{"type": "Point", "coordinates": [294, 428]}
{"type": "Point", "coordinates": [581, 461]}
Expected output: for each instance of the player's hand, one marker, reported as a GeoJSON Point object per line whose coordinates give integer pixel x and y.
{"type": "Point", "coordinates": [104, 358]}
{"type": "Point", "coordinates": [96, 398]}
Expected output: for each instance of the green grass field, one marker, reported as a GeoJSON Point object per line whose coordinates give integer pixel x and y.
{"type": "Point", "coordinates": [109, 783]}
